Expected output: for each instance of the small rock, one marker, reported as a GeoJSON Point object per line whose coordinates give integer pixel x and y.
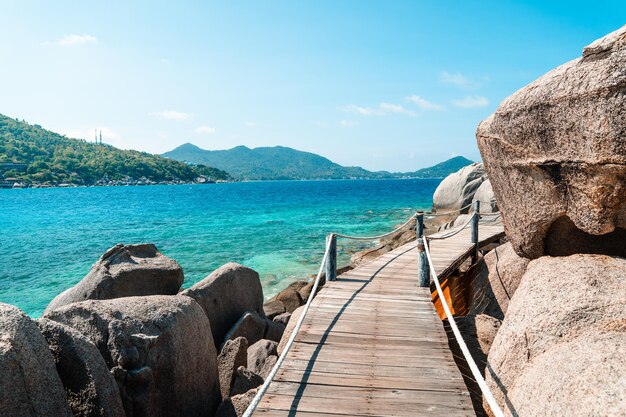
{"type": "Point", "coordinates": [226, 295]}
{"type": "Point", "coordinates": [282, 318]}
{"type": "Point", "coordinates": [233, 355]}
{"type": "Point", "coordinates": [291, 299]}
{"type": "Point", "coordinates": [273, 309]}
{"type": "Point", "coordinates": [251, 326]}
{"type": "Point", "coordinates": [125, 271]}
{"type": "Point", "coordinates": [269, 363]}
{"type": "Point", "coordinates": [274, 330]}
{"type": "Point", "coordinates": [245, 380]}
{"type": "Point", "coordinates": [235, 406]}
{"type": "Point", "coordinates": [259, 352]}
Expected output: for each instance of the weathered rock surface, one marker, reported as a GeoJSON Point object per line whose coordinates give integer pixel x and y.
{"type": "Point", "coordinates": [282, 318]}
{"type": "Point", "coordinates": [497, 279]}
{"type": "Point", "coordinates": [29, 383]}
{"type": "Point", "coordinates": [125, 271]}
{"type": "Point", "coordinates": [233, 355]}
{"type": "Point", "coordinates": [159, 349]}
{"type": "Point", "coordinates": [245, 380]}
{"type": "Point", "coordinates": [251, 326]}
{"type": "Point", "coordinates": [259, 352]}
{"type": "Point", "coordinates": [295, 316]}
{"type": "Point", "coordinates": [487, 198]}
{"type": "Point", "coordinates": [290, 298]}
{"type": "Point", "coordinates": [273, 309]}
{"type": "Point", "coordinates": [226, 294]}
{"type": "Point", "coordinates": [274, 330]}
{"type": "Point", "coordinates": [268, 365]}
{"type": "Point", "coordinates": [235, 406]}
{"type": "Point", "coordinates": [457, 189]}
{"type": "Point", "coordinates": [566, 322]}
{"type": "Point", "coordinates": [90, 387]}
{"type": "Point", "coordinates": [556, 156]}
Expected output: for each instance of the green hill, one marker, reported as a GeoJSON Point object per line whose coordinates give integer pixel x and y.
{"type": "Point", "coordinates": [442, 169]}
{"type": "Point", "coordinates": [270, 163]}
{"type": "Point", "coordinates": [279, 162]}
{"type": "Point", "coordinates": [34, 155]}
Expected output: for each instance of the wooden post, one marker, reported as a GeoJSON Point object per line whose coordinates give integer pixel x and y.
{"type": "Point", "coordinates": [424, 268]}
{"type": "Point", "coordinates": [331, 263]}
{"type": "Point", "coordinates": [419, 226]}
{"type": "Point", "coordinates": [475, 220]}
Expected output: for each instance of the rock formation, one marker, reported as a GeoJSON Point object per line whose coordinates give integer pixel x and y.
{"type": "Point", "coordinates": [159, 349]}
{"type": "Point", "coordinates": [258, 354]}
{"type": "Point", "coordinates": [250, 325]}
{"type": "Point", "coordinates": [561, 349]}
{"type": "Point", "coordinates": [226, 294]}
{"type": "Point", "coordinates": [29, 383]}
{"type": "Point", "coordinates": [233, 355]}
{"type": "Point", "coordinates": [555, 153]}
{"type": "Point", "coordinates": [90, 387]}
{"type": "Point", "coordinates": [125, 271]}
{"type": "Point", "coordinates": [457, 190]}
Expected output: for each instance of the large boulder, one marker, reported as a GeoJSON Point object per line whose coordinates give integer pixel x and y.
{"type": "Point", "coordinates": [295, 316]}
{"type": "Point", "coordinates": [226, 295]}
{"type": "Point", "coordinates": [235, 406]}
{"type": "Point", "coordinates": [90, 387]}
{"type": "Point", "coordinates": [497, 277]}
{"type": "Point", "coordinates": [258, 354]}
{"type": "Point", "coordinates": [560, 349]}
{"type": "Point", "coordinates": [159, 349]}
{"type": "Point", "coordinates": [251, 326]}
{"type": "Point", "coordinates": [29, 383]}
{"type": "Point", "coordinates": [233, 355]}
{"type": "Point", "coordinates": [457, 190]}
{"type": "Point", "coordinates": [125, 271]}
{"type": "Point", "coordinates": [556, 156]}
{"type": "Point", "coordinates": [486, 197]}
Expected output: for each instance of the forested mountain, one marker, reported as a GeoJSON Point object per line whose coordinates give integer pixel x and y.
{"type": "Point", "coordinates": [34, 155]}
{"type": "Point", "coordinates": [270, 163]}
{"type": "Point", "coordinates": [279, 162]}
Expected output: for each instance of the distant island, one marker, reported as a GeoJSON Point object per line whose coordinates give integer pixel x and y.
{"type": "Point", "coordinates": [33, 156]}
{"type": "Point", "coordinates": [283, 163]}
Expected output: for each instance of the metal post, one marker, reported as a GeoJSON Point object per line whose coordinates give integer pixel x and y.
{"type": "Point", "coordinates": [475, 220]}
{"type": "Point", "coordinates": [331, 264]}
{"type": "Point", "coordinates": [424, 268]}
{"type": "Point", "coordinates": [419, 226]}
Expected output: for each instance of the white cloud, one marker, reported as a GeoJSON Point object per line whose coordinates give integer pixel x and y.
{"type": "Point", "coordinates": [204, 130]}
{"type": "Point", "coordinates": [172, 115]}
{"type": "Point", "coordinates": [471, 102]}
{"type": "Point", "coordinates": [458, 80]}
{"type": "Point", "coordinates": [381, 110]}
{"type": "Point", "coordinates": [423, 103]}
{"type": "Point", "coordinates": [69, 40]}
{"type": "Point", "coordinates": [251, 124]}
{"type": "Point", "coordinates": [348, 123]}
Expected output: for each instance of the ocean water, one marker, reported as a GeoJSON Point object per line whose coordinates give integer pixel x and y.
{"type": "Point", "coordinates": [49, 238]}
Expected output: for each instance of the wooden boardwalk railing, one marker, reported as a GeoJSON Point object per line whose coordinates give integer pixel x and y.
{"type": "Point", "coordinates": [372, 343]}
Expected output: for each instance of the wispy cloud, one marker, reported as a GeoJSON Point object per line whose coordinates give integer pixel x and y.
{"type": "Point", "coordinates": [251, 124]}
{"type": "Point", "coordinates": [380, 110]}
{"type": "Point", "coordinates": [424, 104]}
{"type": "Point", "coordinates": [172, 115]}
{"type": "Point", "coordinates": [204, 130]}
{"type": "Point", "coordinates": [471, 102]}
{"type": "Point", "coordinates": [348, 123]}
{"type": "Point", "coordinates": [458, 80]}
{"type": "Point", "coordinates": [69, 40]}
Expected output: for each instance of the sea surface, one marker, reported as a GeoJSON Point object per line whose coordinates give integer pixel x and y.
{"type": "Point", "coordinates": [49, 238]}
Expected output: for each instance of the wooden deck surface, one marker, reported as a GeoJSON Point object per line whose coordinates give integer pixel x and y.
{"type": "Point", "coordinates": [373, 345]}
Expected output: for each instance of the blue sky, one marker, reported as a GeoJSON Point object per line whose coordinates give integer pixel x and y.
{"type": "Point", "coordinates": [394, 85]}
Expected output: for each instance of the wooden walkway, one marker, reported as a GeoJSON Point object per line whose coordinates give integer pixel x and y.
{"type": "Point", "coordinates": [373, 345]}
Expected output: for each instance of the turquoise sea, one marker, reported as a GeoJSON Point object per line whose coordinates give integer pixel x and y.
{"type": "Point", "coordinates": [49, 238]}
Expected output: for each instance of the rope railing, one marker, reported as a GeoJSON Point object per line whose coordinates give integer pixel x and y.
{"type": "Point", "coordinates": [495, 408]}
{"type": "Point", "coordinates": [329, 263]}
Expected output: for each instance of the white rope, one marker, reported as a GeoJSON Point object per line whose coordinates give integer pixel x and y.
{"type": "Point", "coordinates": [397, 229]}
{"type": "Point", "coordinates": [448, 212]}
{"type": "Point", "coordinates": [268, 380]}
{"type": "Point", "coordinates": [495, 408]}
